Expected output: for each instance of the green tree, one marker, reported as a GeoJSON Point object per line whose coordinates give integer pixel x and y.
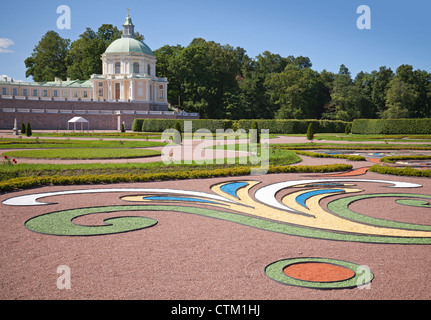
{"type": "Point", "coordinates": [177, 133]}
{"type": "Point", "coordinates": [400, 96]}
{"type": "Point", "coordinates": [170, 65]}
{"type": "Point", "coordinates": [254, 133]}
{"type": "Point", "coordinates": [253, 94]}
{"type": "Point", "coordinates": [22, 128]}
{"type": "Point", "coordinates": [345, 97]}
{"type": "Point", "coordinates": [28, 131]}
{"type": "Point", "coordinates": [83, 57]}
{"type": "Point", "coordinates": [48, 59]}
{"type": "Point", "coordinates": [310, 132]}
{"type": "Point", "coordinates": [408, 94]}
{"type": "Point", "coordinates": [380, 88]}
{"type": "Point", "coordinates": [298, 92]}
{"type": "Point", "coordinates": [210, 73]}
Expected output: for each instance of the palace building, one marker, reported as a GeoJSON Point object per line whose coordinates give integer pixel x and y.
{"type": "Point", "coordinates": [128, 88]}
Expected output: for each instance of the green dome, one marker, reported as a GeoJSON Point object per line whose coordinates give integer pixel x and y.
{"type": "Point", "coordinates": [126, 45]}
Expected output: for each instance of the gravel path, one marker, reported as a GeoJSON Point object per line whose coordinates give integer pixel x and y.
{"type": "Point", "coordinates": [188, 257]}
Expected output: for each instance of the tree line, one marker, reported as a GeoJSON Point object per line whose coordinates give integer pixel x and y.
{"type": "Point", "coordinates": [223, 82]}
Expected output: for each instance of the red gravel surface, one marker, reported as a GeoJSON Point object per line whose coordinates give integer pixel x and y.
{"type": "Point", "coordinates": [190, 257]}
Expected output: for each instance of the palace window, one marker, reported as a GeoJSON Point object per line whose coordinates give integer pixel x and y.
{"type": "Point", "coordinates": [136, 67]}
{"type": "Point", "coordinates": [55, 93]}
{"type": "Point", "coordinates": [3, 91]}
{"type": "Point", "coordinates": [34, 92]}
{"type": "Point", "coordinates": [100, 92]}
{"type": "Point", "coordinates": [160, 92]}
{"type": "Point", "coordinates": [75, 94]}
{"type": "Point", "coordinates": [117, 68]}
{"type": "Point", "coordinates": [100, 84]}
{"type": "Point", "coordinates": [149, 69]}
{"type": "Point", "coordinates": [24, 92]}
{"type": "Point", "coordinates": [45, 93]}
{"type": "Point", "coordinates": [85, 94]}
{"type": "Point", "coordinates": [14, 92]}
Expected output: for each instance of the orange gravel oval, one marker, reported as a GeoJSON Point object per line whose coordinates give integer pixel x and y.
{"type": "Point", "coordinates": [318, 272]}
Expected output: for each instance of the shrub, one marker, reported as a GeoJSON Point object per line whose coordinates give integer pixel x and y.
{"type": "Point", "coordinates": [28, 182]}
{"type": "Point", "coordinates": [28, 131]}
{"type": "Point", "coordinates": [177, 133]}
{"type": "Point", "coordinates": [160, 125]}
{"type": "Point", "coordinates": [137, 125]}
{"type": "Point", "coordinates": [391, 126]}
{"type": "Point", "coordinates": [407, 171]}
{"type": "Point", "coordinates": [326, 155]}
{"type": "Point", "coordinates": [122, 128]}
{"type": "Point", "coordinates": [22, 128]}
{"type": "Point", "coordinates": [310, 133]}
{"type": "Point", "coordinates": [254, 134]}
{"type": "Point", "coordinates": [292, 126]}
{"type": "Point", "coordinates": [347, 129]}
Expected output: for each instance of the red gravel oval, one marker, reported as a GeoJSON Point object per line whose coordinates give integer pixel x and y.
{"type": "Point", "coordinates": [318, 272]}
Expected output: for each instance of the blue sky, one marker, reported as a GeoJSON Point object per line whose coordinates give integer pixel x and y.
{"type": "Point", "coordinates": [323, 30]}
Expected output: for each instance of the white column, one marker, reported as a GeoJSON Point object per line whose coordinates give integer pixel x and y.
{"type": "Point", "coordinates": [109, 90]}
{"type": "Point", "coordinates": [132, 89]}
{"type": "Point", "coordinates": [95, 90]}
{"type": "Point", "coordinates": [122, 90]}
{"type": "Point", "coordinates": [147, 92]}
{"type": "Point", "coordinates": [141, 67]}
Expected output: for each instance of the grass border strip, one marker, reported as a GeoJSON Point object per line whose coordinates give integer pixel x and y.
{"type": "Point", "coordinates": [407, 171]}
{"type": "Point", "coordinates": [275, 272]}
{"type": "Point", "coordinates": [25, 183]}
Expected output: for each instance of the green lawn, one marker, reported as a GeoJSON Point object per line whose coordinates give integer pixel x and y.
{"type": "Point", "coordinates": [68, 143]}
{"type": "Point", "coordinates": [375, 137]}
{"type": "Point", "coordinates": [84, 153]}
{"type": "Point", "coordinates": [103, 135]}
{"type": "Point", "coordinates": [281, 157]}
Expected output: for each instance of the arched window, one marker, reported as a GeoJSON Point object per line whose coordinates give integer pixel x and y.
{"type": "Point", "coordinates": [149, 69]}
{"type": "Point", "coordinates": [136, 67]}
{"type": "Point", "coordinates": [117, 68]}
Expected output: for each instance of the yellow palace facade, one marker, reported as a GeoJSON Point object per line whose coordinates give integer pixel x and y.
{"type": "Point", "coordinates": [128, 87]}
{"type": "Point", "coordinates": [129, 74]}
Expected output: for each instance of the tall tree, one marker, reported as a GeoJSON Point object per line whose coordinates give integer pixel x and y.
{"type": "Point", "coordinates": [169, 65]}
{"type": "Point", "coordinates": [298, 92]}
{"type": "Point", "coordinates": [408, 94]}
{"type": "Point", "coordinates": [339, 108]}
{"type": "Point", "coordinates": [255, 98]}
{"type": "Point", "coordinates": [48, 59]}
{"type": "Point", "coordinates": [83, 58]}
{"type": "Point", "coordinates": [380, 88]}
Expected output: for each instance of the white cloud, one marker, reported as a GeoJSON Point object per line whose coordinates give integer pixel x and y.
{"type": "Point", "coordinates": [5, 43]}
{"type": "Point", "coordinates": [8, 78]}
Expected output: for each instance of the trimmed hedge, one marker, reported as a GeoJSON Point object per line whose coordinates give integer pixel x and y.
{"type": "Point", "coordinates": [274, 126]}
{"type": "Point", "coordinates": [137, 125]}
{"type": "Point", "coordinates": [407, 171]}
{"type": "Point", "coordinates": [29, 182]}
{"type": "Point", "coordinates": [393, 159]}
{"type": "Point", "coordinates": [391, 126]}
{"type": "Point", "coordinates": [333, 156]}
{"type": "Point", "coordinates": [160, 125]}
{"type": "Point", "coordinates": [296, 126]}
